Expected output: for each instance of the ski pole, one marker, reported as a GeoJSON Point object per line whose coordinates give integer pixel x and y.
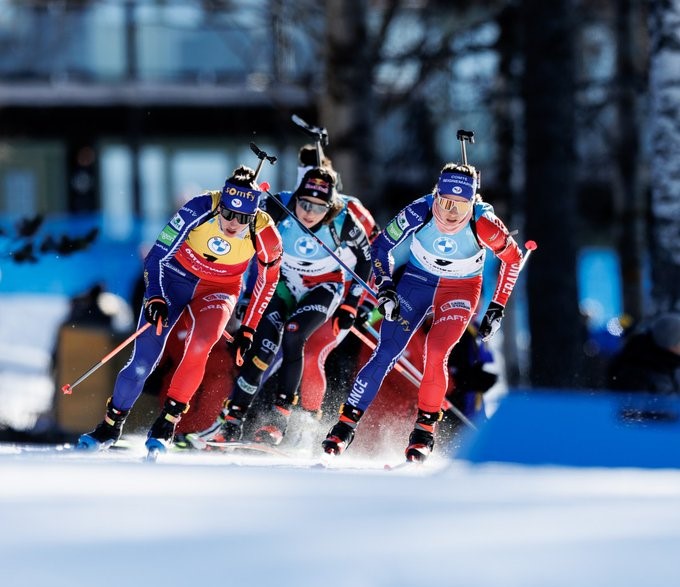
{"type": "Point", "coordinates": [410, 366]}
{"type": "Point", "coordinates": [265, 188]}
{"type": "Point", "coordinates": [398, 366]}
{"type": "Point", "coordinates": [68, 388]}
{"type": "Point", "coordinates": [411, 376]}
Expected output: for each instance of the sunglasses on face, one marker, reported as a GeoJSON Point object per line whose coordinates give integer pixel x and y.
{"type": "Point", "coordinates": [448, 204]}
{"type": "Point", "coordinates": [229, 215]}
{"type": "Point", "coordinates": [308, 206]}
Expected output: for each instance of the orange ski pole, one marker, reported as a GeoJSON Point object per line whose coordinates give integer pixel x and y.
{"type": "Point", "coordinates": [68, 388]}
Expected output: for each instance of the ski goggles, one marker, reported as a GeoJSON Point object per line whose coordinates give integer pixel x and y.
{"type": "Point", "coordinates": [240, 217]}
{"type": "Point", "coordinates": [308, 206]}
{"type": "Point", "coordinates": [448, 204]}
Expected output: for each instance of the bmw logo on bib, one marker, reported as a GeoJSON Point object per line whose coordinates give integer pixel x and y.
{"type": "Point", "coordinates": [306, 246]}
{"type": "Point", "coordinates": [445, 245]}
{"type": "Point", "coordinates": [219, 246]}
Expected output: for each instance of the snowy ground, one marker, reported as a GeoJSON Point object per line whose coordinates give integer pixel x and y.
{"type": "Point", "coordinates": [73, 520]}
{"type": "Point", "coordinates": [111, 520]}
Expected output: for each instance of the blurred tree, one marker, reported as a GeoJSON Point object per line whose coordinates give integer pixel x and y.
{"type": "Point", "coordinates": [627, 188]}
{"type": "Point", "coordinates": [664, 112]}
{"type": "Point", "coordinates": [347, 103]}
{"type": "Point", "coordinates": [550, 166]}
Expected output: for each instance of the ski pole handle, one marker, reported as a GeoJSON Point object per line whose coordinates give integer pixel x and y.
{"type": "Point", "coordinates": [68, 388]}
{"type": "Point", "coordinates": [530, 246]}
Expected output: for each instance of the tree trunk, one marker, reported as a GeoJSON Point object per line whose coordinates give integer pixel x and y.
{"type": "Point", "coordinates": [630, 234]}
{"type": "Point", "coordinates": [664, 112]}
{"type": "Point", "coordinates": [556, 327]}
{"type": "Point", "coordinates": [347, 104]}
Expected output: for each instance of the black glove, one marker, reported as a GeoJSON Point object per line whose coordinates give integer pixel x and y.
{"type": "Point", "coordinates": [491, 321]}
{"type": "Point", "coordinates": [388, 303]}
{"type": "Point", "coordinates": [343, 319]}
{"type": "Point", "coordinates": [243, 340]}
{"type": "Point", "coordinates": [156, 308]}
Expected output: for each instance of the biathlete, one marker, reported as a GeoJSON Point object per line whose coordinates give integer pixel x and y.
{"type": "Point", "coordinates": [311, 291]}
{"type": "Point", "coordinates": [441, 241]}
{"type": "Point", "coordinates": [196, 265]}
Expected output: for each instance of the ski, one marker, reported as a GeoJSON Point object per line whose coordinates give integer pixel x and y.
{"type": "Point", "coordinates": [246, 445]}
{"type": "Point", "coordinates": [155, 448]}
{"type": "Point", "coordinates": [401, 465]}
{"type": "Point", "coordinates": [152, 455]}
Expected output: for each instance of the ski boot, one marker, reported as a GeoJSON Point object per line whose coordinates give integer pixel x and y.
{"type": "Point", "coordinates": [341, 435]}
{"type": "Point", "coordinates": [228, 427]}
{"type": "Point", "coordinates": [275, 421]}
{"type": "Point", "coordinates": [106, 433]}
{"type": "Point", "coordinates": [274, 428]}
{"type": "Point", "coordinates": [163, 429]}
{"type": "Point", "coordinates": [421, 440]}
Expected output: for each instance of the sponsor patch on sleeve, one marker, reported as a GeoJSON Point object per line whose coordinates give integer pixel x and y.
{"type": "Point", "coordinates": [167, 235]}
{"type": "Point", "coordinates": [402, 221]}
{"type": "Point", "coordinates": [393, 230]}
{"type": "Point", "coordinates": [177, 222]}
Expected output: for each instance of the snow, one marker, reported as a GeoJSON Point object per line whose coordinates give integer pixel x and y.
{"type": "Point", "coordinates": [71, 519]}
{"type": "Point", "coordinates": [112, 519]}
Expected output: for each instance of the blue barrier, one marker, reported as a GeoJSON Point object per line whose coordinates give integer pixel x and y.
{"type": "Point", "coordinates": [579, 428]}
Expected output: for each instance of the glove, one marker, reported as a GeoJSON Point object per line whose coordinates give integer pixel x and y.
{"type": "Point", "coordinates": [388, 303]}
{"type": "Point", "coordinates": [243, 340]}
{"type": "Point", "coordinates": [155, 309]}
{"type": "Point", "coordinates": [491, 321]}
{"type": "Point", "coordinates": [343, 319]}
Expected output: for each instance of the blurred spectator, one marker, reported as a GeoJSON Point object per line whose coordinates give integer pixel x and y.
{"type": "Point", "coordinates": [650, 358]}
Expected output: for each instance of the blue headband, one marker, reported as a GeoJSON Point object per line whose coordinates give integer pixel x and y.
{"type": "Point", "coordinates": [240, 199]}
{"type": "Point", "coordinates": [457, 184]}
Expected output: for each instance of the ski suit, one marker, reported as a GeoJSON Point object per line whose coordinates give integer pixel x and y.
{"type": "Point", "coordinates": [324, 340]}
{"type": "Point", "coordinates": [311, 288]}
{"type": "Point", "coordinates": [195, 267]}
{"type": "Point", "coordinates": [442, 274]}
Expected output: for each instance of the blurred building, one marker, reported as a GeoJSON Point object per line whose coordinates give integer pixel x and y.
{"type": "Point", "coordinates": [123, 108]}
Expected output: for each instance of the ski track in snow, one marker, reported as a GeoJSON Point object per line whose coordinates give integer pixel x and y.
{"type": "Point", "coordinates": [72, 519]}
{"type": "Point", "coordinates": [110, 519]}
